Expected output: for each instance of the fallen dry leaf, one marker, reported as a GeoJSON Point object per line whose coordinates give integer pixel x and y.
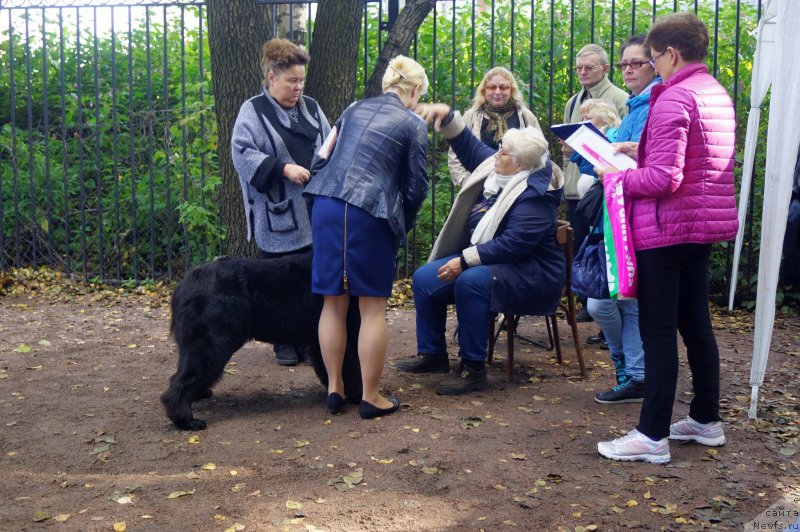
{"type": "Point", "coordinates": [176, 494]}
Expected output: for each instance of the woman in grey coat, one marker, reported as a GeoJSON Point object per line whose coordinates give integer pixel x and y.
{"type": "Point", "coordinates": [274, 139]}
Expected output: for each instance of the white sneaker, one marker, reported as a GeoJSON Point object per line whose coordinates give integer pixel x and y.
{"type": "Point", "coordinates": [690, 430]}
{"type": "Point", "coordinates": [635, 446]}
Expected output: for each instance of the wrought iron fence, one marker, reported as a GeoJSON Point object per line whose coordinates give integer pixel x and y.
{"type": "Point", "coordinates": [108, 137]}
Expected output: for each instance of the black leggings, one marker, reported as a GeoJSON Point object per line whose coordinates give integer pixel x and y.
{"type": "Point", "coordinates": [673, 296]}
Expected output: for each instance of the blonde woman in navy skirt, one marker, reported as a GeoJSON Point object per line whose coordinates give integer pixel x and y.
{"type": "Point", "coordinates": [366, 195]}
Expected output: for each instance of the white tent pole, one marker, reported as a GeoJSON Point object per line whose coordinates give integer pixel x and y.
{"type": "Point", "coordinates": [763, 66]}
{"type": "Point", "coordinates": [744, 192]}
{"type": "Point", "coordinates": [783, 140]}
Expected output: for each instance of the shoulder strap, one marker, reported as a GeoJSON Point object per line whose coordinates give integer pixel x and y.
{"type": "Point", "coordinates": [572, 106]}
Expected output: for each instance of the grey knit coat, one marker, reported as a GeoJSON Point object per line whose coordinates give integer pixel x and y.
{"type": "Point", "coordinates": [277, 218]}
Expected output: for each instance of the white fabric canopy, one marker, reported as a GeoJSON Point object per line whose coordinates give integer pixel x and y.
{"type": "Point", "coordinates": [763, 66]}
{"type": "Point", "coordinates": [778, 42]}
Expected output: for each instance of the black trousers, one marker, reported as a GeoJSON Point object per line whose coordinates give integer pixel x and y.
{"type": "Point", "coordinates": [673, 296]}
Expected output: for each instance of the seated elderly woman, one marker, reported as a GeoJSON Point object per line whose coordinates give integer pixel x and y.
{"type": "Point", "coordinates": [497, 250]}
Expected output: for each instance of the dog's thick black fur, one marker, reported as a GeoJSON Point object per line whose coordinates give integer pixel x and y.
{"type": "Point", "coordinates": [221, 305]}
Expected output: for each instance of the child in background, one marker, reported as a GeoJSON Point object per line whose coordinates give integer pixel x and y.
{"type": "Point", "coordinates": [603, 114]}
{"type": "Point", "coordinates": [605, 117]}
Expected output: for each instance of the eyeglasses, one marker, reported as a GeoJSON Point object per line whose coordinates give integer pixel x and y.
{"type": "Point", "coordinates": [587, 68]}
{"type": "Point", "coordinates": [653, 60]}
{"type": "Point", "coordinates": [501, 151]}
{"type": "Point", "coordinates": [635, 64]}
{"type": "Point", "coordinates": [501, 88]}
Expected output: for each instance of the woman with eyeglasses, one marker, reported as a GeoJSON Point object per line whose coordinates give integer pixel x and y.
{"type": "Point", "coordinates": [619, 319]}
{"type": "Point", "coordinates": [497, 250]}
{"type": "Point", "coordinates": [682, 200]}
{"type": "Point", "coordinates": [497, 107]}
{"type": "Point", "coordinates": [274, 139]}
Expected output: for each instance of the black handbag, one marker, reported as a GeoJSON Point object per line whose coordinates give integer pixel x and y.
{"type": "Point", "coordinates": [589, 275]}
{"type": "Point", "coordinates": [591, 203]}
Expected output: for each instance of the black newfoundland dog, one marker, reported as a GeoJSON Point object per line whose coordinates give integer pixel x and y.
{"type": "Point", "coordinates": [221, 305]}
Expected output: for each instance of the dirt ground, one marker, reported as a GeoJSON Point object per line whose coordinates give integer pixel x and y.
{"type": "Point", "coordinates": [86, 446]}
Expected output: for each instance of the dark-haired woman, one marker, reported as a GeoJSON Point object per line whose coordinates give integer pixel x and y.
{"type": "Point", "coordinates": [274, 139]}
{"type": "Point", "coordinates": [682, 201]}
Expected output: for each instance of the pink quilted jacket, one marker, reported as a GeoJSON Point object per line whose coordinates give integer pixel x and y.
{"type": "Point", "coordinates": [683, 190]}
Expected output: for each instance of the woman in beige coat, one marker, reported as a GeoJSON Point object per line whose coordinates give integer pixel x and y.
{"type": "Point", "coordinates": [497, 107]}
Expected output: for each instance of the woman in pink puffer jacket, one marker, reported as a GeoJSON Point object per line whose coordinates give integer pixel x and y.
{"type": "Point", "coordinates": [681, 200]}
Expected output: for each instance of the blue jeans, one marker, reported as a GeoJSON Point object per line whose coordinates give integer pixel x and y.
{"type": "Point", "coordinates": [471, 292]}
{"type": "Point", "coordinates": [619, 320]}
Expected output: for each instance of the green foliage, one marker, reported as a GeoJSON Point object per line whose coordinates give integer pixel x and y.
{"type": "Point", "coordinates": [129, 161]}
{"type": "Point", "coordinates": [120, 168]}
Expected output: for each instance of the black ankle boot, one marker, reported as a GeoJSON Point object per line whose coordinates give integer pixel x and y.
{"type": "Point", "coordinates": [471, 378]}
{"type": "Point", "coordinates": [425, 363]}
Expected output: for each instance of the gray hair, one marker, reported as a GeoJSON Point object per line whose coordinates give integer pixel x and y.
{"type": "Point", "coordinates": [593, 49]}
{"type": "Point", "coordinates": [527, 146]}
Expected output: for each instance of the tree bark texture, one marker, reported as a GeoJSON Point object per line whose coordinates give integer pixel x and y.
{"type": "Point", "coordinates": [334, 55]}
{"type": "Point", "coordinates": [400, 37]}
{"type": "Point", "coordinates": [237, 29]}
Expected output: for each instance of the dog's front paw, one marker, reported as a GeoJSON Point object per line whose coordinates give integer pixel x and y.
{"type": "Point", "coordinates": [190, 424]}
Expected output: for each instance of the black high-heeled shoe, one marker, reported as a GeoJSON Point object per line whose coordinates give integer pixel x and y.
{"type": "Point", "coordinates": [368, 410]}
{"type": "Point", "coordinates": [335, 403]}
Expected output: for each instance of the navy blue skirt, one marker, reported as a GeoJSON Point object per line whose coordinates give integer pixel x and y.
{"type": "Point", "coordinates": [353, 250]}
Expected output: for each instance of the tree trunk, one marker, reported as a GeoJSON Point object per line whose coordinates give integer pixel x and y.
{"type": "Point", "coordinates": [334, 55]}
{"type": "Point", "coordinates": [400, 37]}
{"type": "Point", "coordinates": [236, 31]}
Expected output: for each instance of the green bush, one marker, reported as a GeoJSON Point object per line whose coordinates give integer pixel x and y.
{"type": "Point", "coordinates": [122, 180]}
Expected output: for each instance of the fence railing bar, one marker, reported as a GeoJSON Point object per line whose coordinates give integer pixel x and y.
{"type": "Point", "coordinates": [46, 142]}
{"type": "Point", "coordinates": [167, 144]}
{"type": "Point", "coordinates": [13, 120]}
{"type": "Point", "coordinates": [613, 40]}
{"type": "Point", "coordinates": [513, 35]}
{"type": "Point", "coordinates": [115, 149]}
{"type": "Point", "coordinates": [531, 61]}
{"type": "Point", "coordinates": [571, 47]}
{"type": "Point", "coordinates": [365, 31]}
{"type": "Point", "coordinates": [98, 160]}
{"type": "Point", "coordinates": [32, 225]}
{"type": "Point", "coordinates": [79, 129]}
{"type": "Point", "coordinates": [149, 118]}
{"type": "Point", "coordinates": [185, 196]}
{"type": "Point", "coordinates": [716, 39]}
{"type": "Point", "coordinates": [492, 37]}
{"type": "Point", "coordinates": [65, 162]}
{"type": "Point", "coordinates": [201, 75]}
{"type": "Point", "coordinates": [453, 46]}
{"type": "Point", "coordinates": [433, 179]}
{"type": "Point", "coordinates": [380, 25]}
{"type": "Point", "coordinates": [551, 68]}
{"type": "Point", "coordinates": [132, 155]}
{"type": "Point", "coordinates": [472, 52]}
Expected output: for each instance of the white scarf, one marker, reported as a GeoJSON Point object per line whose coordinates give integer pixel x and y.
{"type": "Point", "coordinates": [487, 225]}
{"type": "Point", "coordinates": [496, 182]}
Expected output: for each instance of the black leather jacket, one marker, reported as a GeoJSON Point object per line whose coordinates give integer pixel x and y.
{"type": "Point", "coordinates": [378, 162]}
